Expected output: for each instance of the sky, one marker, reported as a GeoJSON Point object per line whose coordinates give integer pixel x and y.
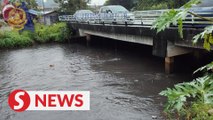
{"type": "Point", "coordinates": [48, 3]}
{"type": "Point", "coordinates": [97, 2]}
{"type": "Point", "coordinates": [93, 2]}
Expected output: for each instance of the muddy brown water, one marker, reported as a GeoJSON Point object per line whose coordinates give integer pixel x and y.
{"type": "Point", "coordinates": [123, 86]}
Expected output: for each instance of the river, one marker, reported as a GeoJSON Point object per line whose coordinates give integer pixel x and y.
{"type": "Point", "coordinates": [123, 86]}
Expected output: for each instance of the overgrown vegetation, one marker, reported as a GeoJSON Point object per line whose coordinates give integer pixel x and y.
{"type": "Point", "coordinates": [159, 4]}
{"type": "Point", "coordinates": [189, 100]}
{"type": "Point", "coordinates": [55, 33]}
{"type": "Point", "coordinates": [14, 39]}
{"type": "Point", "coordinates": [71, 6]}
{"type": "Point", "coordinates": [147, 4]}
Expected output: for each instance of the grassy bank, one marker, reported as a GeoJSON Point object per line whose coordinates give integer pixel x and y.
{"type": "Point", "coordinates": [13, 39]}
{"type": "Point", "coordinates": [55, 33]}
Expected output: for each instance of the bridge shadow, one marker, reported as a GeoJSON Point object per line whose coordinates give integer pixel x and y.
{"type": "Point", "coordinates": [183, 64]}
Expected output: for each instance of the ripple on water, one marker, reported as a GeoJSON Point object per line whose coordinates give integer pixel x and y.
{"type": "Point", "coordinates": [122, 86]}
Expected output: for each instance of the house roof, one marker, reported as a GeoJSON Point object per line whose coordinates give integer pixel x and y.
{"type": "Point", "coordinates": [33, 12]}
{"type": "Point", "coordinates": [42, 13]}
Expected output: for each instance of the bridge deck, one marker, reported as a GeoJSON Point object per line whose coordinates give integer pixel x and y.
{"type": "Point", "coordinates": [140, 34]}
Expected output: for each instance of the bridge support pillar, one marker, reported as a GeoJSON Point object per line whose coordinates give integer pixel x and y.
{"type": "Point", "coordinates": [169, 65]}
{"type": "Point", "coordinates": [88, 39]}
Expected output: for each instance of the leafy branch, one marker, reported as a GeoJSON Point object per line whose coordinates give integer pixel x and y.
{"type": "Point", "coordinates": [201, 89]}
{"type": "Point", "coordinates": [207, 36]}
{"type": "Point", "coordinates": [192, 99]}
{"type": "Point", "coordinates": [205, 68]}
{"type": "Point", "coordinates": [176, 17]}
{"type": "Point", "coordinates": [204, 18]}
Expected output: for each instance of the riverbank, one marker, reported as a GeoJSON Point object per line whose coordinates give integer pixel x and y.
{"type": "Point", "coordinates": [58, 32]}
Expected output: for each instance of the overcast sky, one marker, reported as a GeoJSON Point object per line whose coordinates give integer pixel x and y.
{"type": "Point", "coordinates": [97, 2]}
{"type": "Point", "coordinates": [93, 2]}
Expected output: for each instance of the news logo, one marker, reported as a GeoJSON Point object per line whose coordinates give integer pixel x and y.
{"type": "Point", "coordinates": [21, 100]}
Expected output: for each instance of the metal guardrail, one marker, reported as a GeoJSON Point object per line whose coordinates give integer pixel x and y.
{"type": "Point", "coordinates": [66, 18]}
{"type": "Point", "coordinates": [149, 16]}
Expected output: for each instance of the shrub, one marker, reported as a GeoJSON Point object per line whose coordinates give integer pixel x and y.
{"type": "Point", "coordinates": [41, 33]}
{"type": "Point", "coordinates": [191, 100]}
{"type": "Point", "coordinates": [200, 111]}
{"type": "Point", "coordinates": [57, 32]}
{"type": "Point", "coordinates": [13, 39]}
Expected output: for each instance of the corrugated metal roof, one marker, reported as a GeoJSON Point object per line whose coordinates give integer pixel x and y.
{"type": "Point", "coordinates": [34, 12]}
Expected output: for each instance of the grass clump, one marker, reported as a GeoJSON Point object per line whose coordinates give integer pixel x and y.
{"type": "Point", "coordinates": [14, 39]}
{"type": "Point", "coordinates": [58, 32]}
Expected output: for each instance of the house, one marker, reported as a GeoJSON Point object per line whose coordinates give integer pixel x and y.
{"type": "Point", "coordinates": [46, 17]}
{"type": "Point", "coordinates": [49, 17]}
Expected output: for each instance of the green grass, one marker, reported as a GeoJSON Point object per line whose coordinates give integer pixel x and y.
{"type": "Point", "coordinates": [57, 32]}
{"type": "Point", "coordinates": [14, 39]}
{"type": "Point", "coordinates": [43, 34]}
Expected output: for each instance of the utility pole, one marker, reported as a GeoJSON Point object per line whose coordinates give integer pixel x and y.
{"type": "Point", "coordinates": [65, 2]}
{"type": "Point", "coordinates": [43, 11]}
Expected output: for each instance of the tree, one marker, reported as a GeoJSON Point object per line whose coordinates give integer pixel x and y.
{"type": "Point", "coordinates": [31, 4]}
{"type": "Point", "coordinates": [128, 4]}
{"type": "Point", "coordinates": [159, 4]}
{"type": "Point", "coordinates": [72, 5]}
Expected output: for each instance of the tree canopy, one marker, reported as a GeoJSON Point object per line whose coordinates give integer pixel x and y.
{"type": "Point", "coordinates": [147, 4]}
{"type": "Point", "coordinates": [160, 4]}
{"type": "Point", "coordinates": [31, 4]}
{"type": "Point", "coordinates": [129, 4]}
{"type": "Point", "coordinates": [72, 5]}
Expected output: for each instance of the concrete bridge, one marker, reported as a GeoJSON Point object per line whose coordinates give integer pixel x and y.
{"type": "Point", "coordinates": [166, 44]}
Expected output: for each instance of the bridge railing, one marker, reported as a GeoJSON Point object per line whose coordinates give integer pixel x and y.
{"type": "Point", "coordinates": [149, 16]}
{"type": "Point", "coordinates": [66, 18]}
